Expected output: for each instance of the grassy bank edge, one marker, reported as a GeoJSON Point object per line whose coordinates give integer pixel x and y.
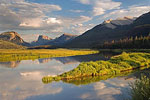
{"type": "Point", "coordinates": [25, 54]}
{"type": "Point", "coordinates": [137, 61]}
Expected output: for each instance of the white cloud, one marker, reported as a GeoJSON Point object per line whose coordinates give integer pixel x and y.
{"type": "Point", "coordinates": [76, 11]}
{"type": "Point", "coordinates": [22, 15]}
{"type": "Point", "coordinates": [75, 25]}
{"type": "Point", "coordinates": [80, 28]}
{"type": "Point", "coordinates": [134, 11]}
{"type": "Point", "coordinates": [85, 1]}
{"type": "Point", "coordinates": [100, 6]}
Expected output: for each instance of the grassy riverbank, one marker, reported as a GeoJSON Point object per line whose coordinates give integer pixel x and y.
{"type": "Point", "coordinates": [25, 54]}
{"type": "Point", "coordinates": [116, 65]}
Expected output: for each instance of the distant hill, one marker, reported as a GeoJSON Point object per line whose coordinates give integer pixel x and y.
{"type": "Point", "coordinates": [13, 37]}
{"type": "Point", "coordinates": [112, 30]}
{"type": "Point", "coordinates": [8, 45]}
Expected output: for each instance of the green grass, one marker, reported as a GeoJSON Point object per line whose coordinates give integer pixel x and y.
{"type": "Point", "coordinates": [115, 66]}
{"type": "Point", "coordinates": [25, 54]}
{"type": "Point", "coordinates": [140, 89]}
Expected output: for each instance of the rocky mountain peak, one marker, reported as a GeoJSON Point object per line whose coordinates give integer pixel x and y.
{"type": "Point", "coordinates": [43, 37]}
{"type": "Point", "coordinates": [11, 36]}
{"type": "Point", "coordinates": [107, 21]}
{"type": "Point", "coordinates": [118, 22]}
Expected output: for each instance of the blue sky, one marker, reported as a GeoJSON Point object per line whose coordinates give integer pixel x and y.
{"type": "Point", "coordinates": [55, 17]}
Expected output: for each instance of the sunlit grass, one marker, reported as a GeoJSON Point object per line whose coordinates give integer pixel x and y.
{"type": "Point", "coordinates": [25, 54]}
{"type": "Point", "coordinates": [115, 66]}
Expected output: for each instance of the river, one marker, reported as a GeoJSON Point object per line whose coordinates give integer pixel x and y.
{"type": "Point", "coordinates": [22, 80]}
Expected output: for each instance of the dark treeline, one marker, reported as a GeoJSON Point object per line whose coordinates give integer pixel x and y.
{"type": "Point", "coordinates": [142, 42]}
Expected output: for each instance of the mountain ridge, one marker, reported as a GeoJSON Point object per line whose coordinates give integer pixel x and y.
{"type": "Point", "coordinates": [107, 32]}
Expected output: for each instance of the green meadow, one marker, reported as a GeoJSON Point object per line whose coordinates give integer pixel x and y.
{"type": "Point", "coordinates": [27, 54]}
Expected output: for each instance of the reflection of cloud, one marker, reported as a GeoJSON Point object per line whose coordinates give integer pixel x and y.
{"type": "Point", "coordinates": [99, 85]}
{"type": "Point", "coordinates": [105, 92]}
{"type": "Point", "coordinates": [110, 89]}
{"type": "Point", "coordinates": [32, 75]}
{"type": "Point", "coordinates": [20, 88]}
{"type": "Point", "coordinates": [85, 96]}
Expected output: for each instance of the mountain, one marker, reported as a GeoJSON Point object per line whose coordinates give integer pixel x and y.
{"type": "Point", "coordinates": [45, 41]}
{"type": "Point", "coordinates": [13, 37]}
{"type": "Point", "coordinates": [111, 30]}
{"type": "Point", "coordinates": [9, 45]}
{"type": "Point", "coordinates": [42, 40]}
{"type": "Point", "coordinates": [59, 41]}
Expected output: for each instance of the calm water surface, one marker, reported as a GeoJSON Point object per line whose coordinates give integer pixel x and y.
{"type": "Point", "coordinates": [22, 80]}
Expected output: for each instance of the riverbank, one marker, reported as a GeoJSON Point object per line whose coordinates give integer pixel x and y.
{"type": "Point", "coordinates": [26, 54]}
{"type": "Point", "coordinates": [116, 65]}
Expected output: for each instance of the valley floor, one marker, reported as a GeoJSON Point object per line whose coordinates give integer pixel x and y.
{"type": "Point", "coordinates": [26, 54]}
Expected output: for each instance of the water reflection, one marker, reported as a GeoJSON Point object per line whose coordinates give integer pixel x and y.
{"type": "Point", "coordinates": [19, 87]}
{"type": "Point", "coordinates": [23, 81]}
{"type": "Point", "coordinates": [64, 60]}
{"type": "Point", "coordinates": [11, 64]}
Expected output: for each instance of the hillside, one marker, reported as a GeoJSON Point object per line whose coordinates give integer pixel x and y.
{"type": "Point", "coordinates": [9, 45]}
{"type": "Point", "coordinates": [127, 43]}
{"type": "Point", "coordinates": [112, 30]}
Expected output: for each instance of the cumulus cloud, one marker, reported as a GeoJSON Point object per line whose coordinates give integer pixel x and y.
{"type": "Point", "coordinates": [101, 6]}
{"type": "Point", "coordinates": [23, 15]}
{"type": "Point", "coordinates": [134, 11]}
{"type": "Point", "coordinates": [76, 11]}
{"type": "Point", "coordinates": [20, 14]}
{"type": "Point", "coordinates": [81, 28]}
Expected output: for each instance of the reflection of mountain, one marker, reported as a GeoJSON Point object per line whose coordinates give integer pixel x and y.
{"type": "Point", "coordinates": [45, 60]}
{"type": "Point", "coordinates": [84, 58]}
{"type": "Point", "coordinates": [66, 60]}
{"type": "Point", "coordinates": [11, 64]}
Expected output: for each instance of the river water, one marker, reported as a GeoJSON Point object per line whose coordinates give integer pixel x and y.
{"type": "Point", "coordinates": [22, 80]}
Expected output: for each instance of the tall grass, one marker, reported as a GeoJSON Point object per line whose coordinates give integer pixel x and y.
{"type": "Point", "coordinates": [140, 89]}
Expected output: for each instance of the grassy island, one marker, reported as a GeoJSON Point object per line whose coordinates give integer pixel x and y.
{"type": "Point", "coordinates": [115, 66]}
{"type": "Point", "coordinates": [25, 54]}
